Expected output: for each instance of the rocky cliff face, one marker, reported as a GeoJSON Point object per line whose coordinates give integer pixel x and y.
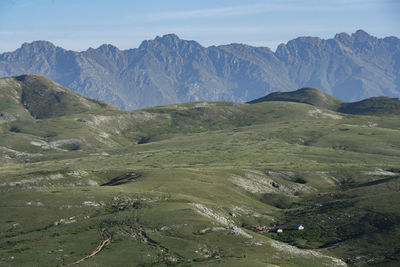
{"type": "Point", "coordinates": [170, 70]}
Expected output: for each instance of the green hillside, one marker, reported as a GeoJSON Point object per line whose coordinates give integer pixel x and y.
{"type": "Point", "coordinates": [307, 95]}
{"type": "Point", "coordinates": [184, 185]}
{"type": "Point", "coordinates": [42, 98]}
{"type": "Point", "coordinates": [373, 106]}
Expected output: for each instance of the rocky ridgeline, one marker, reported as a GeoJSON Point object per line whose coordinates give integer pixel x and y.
{"type": "Point", "coordinates": [170, 70]}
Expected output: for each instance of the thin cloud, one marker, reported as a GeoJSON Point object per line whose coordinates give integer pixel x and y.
{"type": "Point", "coordinates": [242, 10]}
{"type": "Point", "coordinates": [209, 12]}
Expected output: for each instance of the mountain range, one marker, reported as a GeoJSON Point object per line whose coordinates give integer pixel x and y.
{"type": "Point", "coordinates": [169, 70]}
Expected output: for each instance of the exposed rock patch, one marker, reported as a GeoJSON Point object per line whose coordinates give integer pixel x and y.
{"type": "Point", "coordinates": [380, 171]}
{"type": "Point", "coordinates": [259, 183]}
{"type": "Point", "coordinates": [317, 113]}
{"type": "Point", "coordinates": [221, 219]}
{"type": "Point", "coordinates": [294, 251]}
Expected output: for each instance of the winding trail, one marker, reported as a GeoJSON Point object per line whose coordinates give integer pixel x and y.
{"type": "Point", "coordinates": [102, 245]}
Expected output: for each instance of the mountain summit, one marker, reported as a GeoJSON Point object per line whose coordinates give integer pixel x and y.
{"type": "Point", "coordinates": [170, 70]}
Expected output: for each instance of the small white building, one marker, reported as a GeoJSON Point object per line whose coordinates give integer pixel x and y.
{"type": "Point", "coordinates": [299, 227]}
{"type": "Point", "coordinates": [277, 230]}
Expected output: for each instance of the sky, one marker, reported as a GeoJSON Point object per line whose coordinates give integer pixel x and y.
{"type": "Point", "coordinates": [80, 24]}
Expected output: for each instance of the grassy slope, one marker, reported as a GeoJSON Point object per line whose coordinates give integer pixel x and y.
{"type": "Point", "coordinates": [268, 163]}
{"type": "Point", "coordinates": [307, 95]}
{"type": "Point", "coordinates": [312, 96]}
{"type": "Point", "coordinates": [374, 105]}
{"type": "Point", "coordinates": [42, 98]}
{"type": "Point", "coordinates": [10, 101]}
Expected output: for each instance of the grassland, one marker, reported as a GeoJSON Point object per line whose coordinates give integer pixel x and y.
{"type": "Point", "coordinates": [183, 185]}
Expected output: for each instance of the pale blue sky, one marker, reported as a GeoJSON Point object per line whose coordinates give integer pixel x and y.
{"type": "Point", "coordinates": [80, 24]}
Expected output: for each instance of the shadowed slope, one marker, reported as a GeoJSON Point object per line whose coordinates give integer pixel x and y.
{"type": "Point", "coordinates": [42, 98]}
{"type": "Point", "coordinates": [372, 106]}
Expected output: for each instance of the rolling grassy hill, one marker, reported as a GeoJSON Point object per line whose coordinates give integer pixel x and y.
{"type": "Point", "coordinates": [184, 184]}
{"type": "Point", "coordinates": [42, 98]}
{"type": "Point", "coordinates": [305, 95]}
{"type": "Point", "coordinates": [371, 106]}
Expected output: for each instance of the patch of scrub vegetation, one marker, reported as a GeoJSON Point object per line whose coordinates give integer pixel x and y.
{"type": "Point", "coordinates": [280, 201]}
{"type": "Point", "coordinates": [122, 179]}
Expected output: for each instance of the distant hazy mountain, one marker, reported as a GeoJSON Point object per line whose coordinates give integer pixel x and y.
{"type": "Point", "coordinates": [170, 70]}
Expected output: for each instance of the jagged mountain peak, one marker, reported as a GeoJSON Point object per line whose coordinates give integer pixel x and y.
{"type": "Point", "coordinates": [344, 38]}
{"type": "Point", "coordinates": [37, 43]}
{"type": "Point", "coordinates": [310, 41]}
{"type": "Point", "coordinates": [342, 35]}
{"type": "Point", "coordinates": [306, 39]}
{"type": "Point", "coordinates": [169, 41]}
{"type": "Point", "coordinates": [171, 37]}
{"type": "Point", "coordinates": [38, 46]}
{"type": "Point", "coordinates": [107, 47]}
{"type": "Point", "coordinates": [391, 39]}
{"type": "Point", "coordinates": [361, 34]}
